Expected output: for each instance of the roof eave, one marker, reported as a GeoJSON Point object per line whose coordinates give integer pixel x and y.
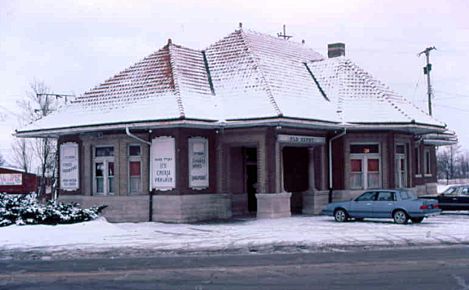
{"type": "Point", "coordinates": [57, 132]}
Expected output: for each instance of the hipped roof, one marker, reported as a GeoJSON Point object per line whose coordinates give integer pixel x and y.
{"type": "Point", "coordinates": [243, 77]}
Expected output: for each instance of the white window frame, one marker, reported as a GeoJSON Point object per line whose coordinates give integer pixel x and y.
{"type": "Point", "coordinates": [398, 157]}
{"type": "Point", "coordinates": [418, 160]}
{"type": "Point", "coordinates": [134, 159]}
{"type": "Point", "coordinates": [427, 166]}
{"type": "Point", "coordinates": [364, 157]}
{"type": "Point", "coordinates": [105, 160]}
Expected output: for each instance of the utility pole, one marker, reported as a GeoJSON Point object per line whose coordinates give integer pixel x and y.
{"type": "Point", "coordinates": [426, 70]}
{"type": "Point", "coordinates": [284, 34]}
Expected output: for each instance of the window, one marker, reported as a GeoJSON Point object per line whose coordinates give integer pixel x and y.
{"type": "Point", "coordinates": [365, 166]}
{"type": "Point", "coordinates": [453, 190]}
{"type": "Point", "coordinates": [407, 195]}
{"type": "Point", "coordinates": [427, 164]}
{"type": "Point", "coordinates": [135, 168]}
{"type": "Point", "coordinates": [104, 170]}
{"type": "Point", "coordinates": [465, 191]}
{"type": "Point", "coordinates": [401, 166]}
{"type": "Point", "coordinates": [367, 196]}
{"type": "Point", "coordinates": [418, 170]}
{"type": "Point", "coordinates": [364, 148]}
{"type": "Point", "coordinates": [386, 196]}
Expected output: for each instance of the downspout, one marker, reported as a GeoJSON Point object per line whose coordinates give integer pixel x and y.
{"type": "Point", "coordinates": [330, 161]}
{"type": "Point", "coordinates": [150, 213]}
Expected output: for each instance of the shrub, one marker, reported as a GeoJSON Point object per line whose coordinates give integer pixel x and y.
{"type": "Point", "coordinates": [26, 209]}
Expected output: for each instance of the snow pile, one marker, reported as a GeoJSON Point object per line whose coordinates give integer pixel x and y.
{"type": "Point", "coordinates": [245, 235]}
{"type": "Point", "coordinates": [26, 209]}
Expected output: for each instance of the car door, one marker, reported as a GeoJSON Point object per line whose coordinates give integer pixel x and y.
{"type": "Point", "coordinates": [384, 204]}
{"type": "Point", "coordinates": [448, 200]}
{"type": "Point", "coordinates": [362, 206]}
{"type": "Point", "coordinates": [463, 198]}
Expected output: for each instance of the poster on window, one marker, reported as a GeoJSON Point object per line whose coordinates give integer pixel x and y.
{"type": "Point", "coordinates": [69, 173]}
{"type": "Point", "coordinates": [163, 163]}
{"type": "Point", "coordinates": [198, 163]}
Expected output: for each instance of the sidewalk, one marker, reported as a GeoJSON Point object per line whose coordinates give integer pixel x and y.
{"type": "Point", "coordinates": [299, 233]}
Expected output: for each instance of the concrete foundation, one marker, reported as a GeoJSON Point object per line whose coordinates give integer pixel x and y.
{"type": "Point", "coordinates": [427, 189]}
{"type": "Point", "coordinates": [314, 202]}
{"type": "Point", "coordinates": [273, 205]}
{"type": "Point", "coordinates": [191, 208]}
{"type": "Point", "coordinates": [119, 208]}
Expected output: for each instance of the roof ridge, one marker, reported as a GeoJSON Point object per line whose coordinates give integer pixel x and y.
{"type": "Point", "coordinates": [174, 77]}
{"type": "Point", "coordinates": [283, 41]}
{"type": "Point", "coordinates": [259, 70]}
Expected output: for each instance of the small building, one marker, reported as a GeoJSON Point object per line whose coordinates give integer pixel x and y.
{"type": "Point", "coordinates": [252, 124]}
{"type": "Point", "coordinates": [17, 181]}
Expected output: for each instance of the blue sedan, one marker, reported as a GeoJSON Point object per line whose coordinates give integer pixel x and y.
{"type": "Point", "coordinates": [400, 205]}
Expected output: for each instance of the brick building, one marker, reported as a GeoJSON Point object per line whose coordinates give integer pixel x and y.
{"type": "Point", "coordinates": [14, 181]}
{"type": "Point", "coordinates": [252, 124]}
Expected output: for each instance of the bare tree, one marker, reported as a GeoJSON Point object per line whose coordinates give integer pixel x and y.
{"type": "Point", "coordinates": [2, 160]}
{"type": "Point", "coordinates": [22, 154]}
{"type": "Point", "coordinates": [36, 105]}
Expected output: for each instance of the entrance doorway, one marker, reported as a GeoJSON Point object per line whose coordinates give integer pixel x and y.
{"type": "Point", "coordinates": [296, 175]}
{"type": "Point", "coordinates": [250, 177]}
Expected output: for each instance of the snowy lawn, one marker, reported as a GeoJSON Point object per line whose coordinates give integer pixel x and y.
{"type": "Point", "coordinates": [300, 232]}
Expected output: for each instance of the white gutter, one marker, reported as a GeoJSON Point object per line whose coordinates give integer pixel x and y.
{"type": "Point", "coordinates": [330, 161]}
{"type": "Point", "coordinates": [150, 186]}
{"type": "Point", "coordinates": [127, 131]}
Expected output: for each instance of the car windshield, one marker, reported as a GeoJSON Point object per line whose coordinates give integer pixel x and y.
{"type": "Point", "coordinates": [408, 195]}
{"type": "Point", "coordinates": [451, 190]}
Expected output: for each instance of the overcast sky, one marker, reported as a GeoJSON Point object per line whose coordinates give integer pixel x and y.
{"type": "Point", "coordinates": [74, 45]}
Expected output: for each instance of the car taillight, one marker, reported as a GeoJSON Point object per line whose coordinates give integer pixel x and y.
{"type": "Point", "coordinates": [424, 206]}
{"type": "Point", "coordinates": [436, 205]}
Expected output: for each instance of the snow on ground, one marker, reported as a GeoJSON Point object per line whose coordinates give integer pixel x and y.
{"type": "Point", "coordinates": [317, 232]}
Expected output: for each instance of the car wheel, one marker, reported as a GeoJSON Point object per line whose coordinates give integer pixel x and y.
{"type": "Point", "coordinates": [400, 217]}
{"type": "Point", "coordinates": [417, 220]}
{"type": "Point", "coordinates": [340, 215]}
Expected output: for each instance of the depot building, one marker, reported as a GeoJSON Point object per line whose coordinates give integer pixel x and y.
{"type": "Point", "coordinates": [253, 124]}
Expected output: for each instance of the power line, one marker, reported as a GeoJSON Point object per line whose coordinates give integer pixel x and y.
{"type": "Point", "coordinates": [454, 94]}
{"type": "Point", "coordinates": [454, 108]}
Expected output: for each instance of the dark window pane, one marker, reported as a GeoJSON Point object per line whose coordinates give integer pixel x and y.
{"type": "Point", "coordinates": [104, 151]}
{"type": "Point", "coordinates": [386, 196]}
{"type": "Point", "coordinates": [110, 167]}
{"type": "Point", "coordinates": [356, 165]}
{"type": "Point", "coordinates": [400, 149]}
{"type": "Point", "coordinates": [367, 196]}
{"type": "Point", "coordinates": [134, 150]}
{"type": "Point", "coordinates": [373, 165]}
{"type": "Point", "coordinates": [134, 168]}
{"type": "Point", "coordinates": [99, 169]}
{"type": "Point", "coordinates": [364, 148]}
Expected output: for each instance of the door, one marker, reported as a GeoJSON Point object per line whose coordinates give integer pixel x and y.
{"type": "Point", "coordinates": [250, 177]}
{"type": "Point", "coordinates": [448, 200]}
{"type": "Point", "coordinates": [384, 204]}
{"type": "Point", "coordinates": [464, 198]}
{"type": "Point", "coordinates": [401, 171]}
{"type": "Point", "coordinates": [362, 206]}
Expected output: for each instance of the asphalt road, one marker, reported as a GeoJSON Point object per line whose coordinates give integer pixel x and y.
{"type": "Point", "coordinates": [436, 268]}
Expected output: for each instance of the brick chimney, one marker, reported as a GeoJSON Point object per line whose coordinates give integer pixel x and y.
{"type": "Point", "coordinates": [335, 49]}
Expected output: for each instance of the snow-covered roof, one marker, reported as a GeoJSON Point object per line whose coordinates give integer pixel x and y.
{"type": "Point", "coordinates": [244, 76]}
